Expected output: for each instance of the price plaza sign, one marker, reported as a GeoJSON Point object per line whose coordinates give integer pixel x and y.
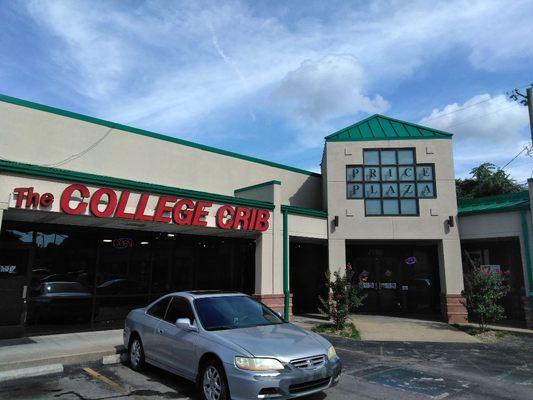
{"type": "Point", "coordinates": [390, 182]}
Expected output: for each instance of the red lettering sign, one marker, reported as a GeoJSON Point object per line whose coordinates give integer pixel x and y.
{"type": "Point", "coordinates": [77, 199]}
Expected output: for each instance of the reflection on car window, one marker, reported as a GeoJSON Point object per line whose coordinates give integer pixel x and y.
{"type": "Point", "coordinates": [230, 312]}
{"type": "Point", "coordinates": [159, 308]}
{"type": "Point", "coordinates": [63, 287]}
{"type": "Point", "coordinates": [179, 308]}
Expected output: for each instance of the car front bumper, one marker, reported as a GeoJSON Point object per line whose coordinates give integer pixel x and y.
{"type": "Point", "coordinates": [287, 384]}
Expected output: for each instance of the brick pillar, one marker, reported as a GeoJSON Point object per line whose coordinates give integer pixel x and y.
{"type": "Point", "coordinates": [453, 311]}
{"type": "Point", "coordinates": [528, 311]}
{"type": "Point", "coordinates": [276, 302]}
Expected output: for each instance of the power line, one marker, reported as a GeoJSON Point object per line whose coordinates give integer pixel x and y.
{"type": "Point", "coordinates": [75, 155]}
{"type": "Point", "coordinates": [459, 109]}
{"type": "Point", "coordinates": [466, 107]}
{"type": "Point", "coordinates": [515, 157]}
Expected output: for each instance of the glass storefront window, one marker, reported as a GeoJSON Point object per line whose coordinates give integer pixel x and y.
{"type": "Point", "coordinates": [82, 277]}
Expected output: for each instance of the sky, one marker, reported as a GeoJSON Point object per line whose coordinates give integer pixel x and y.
{"type": "Point", "coordinates": [271, 79]}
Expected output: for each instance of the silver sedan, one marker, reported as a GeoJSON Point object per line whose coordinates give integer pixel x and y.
{"type": "Point", "coordinates": [231, 345]}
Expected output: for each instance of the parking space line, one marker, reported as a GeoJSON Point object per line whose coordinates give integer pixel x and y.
{"type": "Point", "coordinates": [104, 379]}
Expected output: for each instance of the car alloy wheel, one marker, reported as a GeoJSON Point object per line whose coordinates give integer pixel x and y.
{"type": "Point", "coordinates": [212, 383]}
{"type": "Point", "coordinates": [136, 354]}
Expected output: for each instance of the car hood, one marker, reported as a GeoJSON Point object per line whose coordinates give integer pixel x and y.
{"type": "Point", "coordinates": [282, 341]}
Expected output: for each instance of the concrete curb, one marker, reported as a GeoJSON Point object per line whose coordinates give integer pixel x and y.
{"type": "Point", "coordinates": [64, 359]}
{"type": "Point", "coordinates": [30, 372]}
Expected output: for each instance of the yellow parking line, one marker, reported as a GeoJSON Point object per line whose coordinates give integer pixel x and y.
{"type": "Point", "coordinates": [103, 378]}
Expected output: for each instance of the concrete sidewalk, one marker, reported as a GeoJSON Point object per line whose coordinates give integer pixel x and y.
{"type": "Point", "coordinates": [394, 329]}
{"type": "Point", "coordinates": [70, 348]}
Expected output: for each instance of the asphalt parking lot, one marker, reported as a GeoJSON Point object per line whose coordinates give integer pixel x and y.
{"type": "Point", "coordinates": [371, 370]}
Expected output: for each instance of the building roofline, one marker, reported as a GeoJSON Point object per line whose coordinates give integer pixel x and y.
{"type": "Point", "coordinates": [119, 183]}
{"type": "Point", "coordinates": [143, 132]}
{"type": "Point", "coordinates": [257, 186]}
{"type": "Point", "coordinates": [443, 135]}
{"type": "Point", "coordinates": [499, 203]}
{"type": "Point", "coordinates": [310, 212]}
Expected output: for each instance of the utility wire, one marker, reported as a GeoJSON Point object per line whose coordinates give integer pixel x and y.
{"type": "Point", "coordinates": [515, 157]}
{"type": "Point", "coordinates": [75, 155]}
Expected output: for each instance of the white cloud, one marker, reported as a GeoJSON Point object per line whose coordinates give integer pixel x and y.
{"type": "Point", "coordinates": [486, 129]}
{"type": "Point", "coordinates": [483, 117]}
{"type": "Point", "coordinates": [165, 65]}
{"type": "Point", "coordinates": [330, 87]}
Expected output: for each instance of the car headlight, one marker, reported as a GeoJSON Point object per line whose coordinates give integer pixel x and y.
{"type": "Point", "coordinates": [258, 364]}
{"type": "Point", "coordinates": [332, 354]}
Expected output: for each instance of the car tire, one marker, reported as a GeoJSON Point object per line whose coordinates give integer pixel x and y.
{"type": "Point", "coordinates": [213, 382]}
{"type": "Point", "coordinates": [136, 354]}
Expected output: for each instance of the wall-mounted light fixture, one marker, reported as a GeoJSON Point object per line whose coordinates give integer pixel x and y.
{"type": "Point", "coordinates": [451, 221]}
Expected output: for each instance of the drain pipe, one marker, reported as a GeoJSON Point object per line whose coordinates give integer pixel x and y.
{"type": "Point", "coordinates": [286, 289]}
{"type": "Point", "coordinates": [527, 251]}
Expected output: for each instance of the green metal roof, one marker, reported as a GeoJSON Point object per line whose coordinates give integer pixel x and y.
{"type": "Point", "coordinates": [494, 204]}
{"type": "Point", "coordinates": [379, 127]}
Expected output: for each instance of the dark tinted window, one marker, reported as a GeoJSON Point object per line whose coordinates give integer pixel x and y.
{"type": "Point", "coordinates": [230, 312]}
{"type": "Point", "coordinates": [159, 308]}
{"type": "Point", "coordinates": [179, 308]}
{"type": "Point", "coordinates": [64, 287]}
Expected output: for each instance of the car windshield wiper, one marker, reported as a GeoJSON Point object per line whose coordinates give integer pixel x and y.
{"type": "Point", "coordinates": [221, 327]}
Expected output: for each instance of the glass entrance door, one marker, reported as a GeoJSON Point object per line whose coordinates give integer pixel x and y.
{"type": "Point", "coordinates": [397, 279]}
{"type": "Point", "coordinates": [14, 258]}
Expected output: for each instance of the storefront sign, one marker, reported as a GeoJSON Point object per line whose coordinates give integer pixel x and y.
{"type": "Point", "coordinates": [390, 182]}
{"type": "Point", "coordinates": [77, 199]}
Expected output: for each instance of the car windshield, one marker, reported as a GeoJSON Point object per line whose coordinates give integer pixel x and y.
{"type": "Point", "coordinates": [231, 312]}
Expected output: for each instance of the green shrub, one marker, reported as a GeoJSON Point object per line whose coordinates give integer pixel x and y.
{"type": "Point", "coordinates": [483, 293]}
{"type": "Point", "coordinates": [344, 297]}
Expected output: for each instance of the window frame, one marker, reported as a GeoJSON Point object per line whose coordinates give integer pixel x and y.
{"type": "Point", "coordinates": [415, 181]}
{"type": "Point", "coordinates": [189, 305]}
{"type": "Point", "coordinates": [156, 303]}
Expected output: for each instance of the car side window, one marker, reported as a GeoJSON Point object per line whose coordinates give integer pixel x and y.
{"type": "Point", "coordinates": [179, 308]}
{"type": "Point", "coordinates": [158, 309]}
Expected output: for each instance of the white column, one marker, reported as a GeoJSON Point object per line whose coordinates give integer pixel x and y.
{"type": "Point", "coordinates": [336, 255]}
{"type": "Point", "coordinates": [450, 266]}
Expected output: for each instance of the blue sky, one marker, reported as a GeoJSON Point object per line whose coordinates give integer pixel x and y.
{"type": "Point", "coordinates": [270, 79]}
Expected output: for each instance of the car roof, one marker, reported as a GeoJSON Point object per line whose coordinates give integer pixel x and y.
{"type": "Point", "coordinates": [196, 294]}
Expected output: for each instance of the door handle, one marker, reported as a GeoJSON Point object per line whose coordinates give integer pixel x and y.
{"type": "Point", "coordinates": [159, 330]}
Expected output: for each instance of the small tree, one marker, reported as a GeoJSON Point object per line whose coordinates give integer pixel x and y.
{"type": "Point", "coordinates": [483, 293]}
{"type": "Point", "coordinates": [343, 298]}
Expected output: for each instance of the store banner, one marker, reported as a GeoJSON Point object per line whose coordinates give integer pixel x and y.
{"type": "Point", "coordinates": [79, 199]}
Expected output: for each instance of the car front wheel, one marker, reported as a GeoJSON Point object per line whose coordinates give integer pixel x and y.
{"type": "Point", "coordinates": [214, 383]}
{"type": "Point", "coordinates": [136, 354]}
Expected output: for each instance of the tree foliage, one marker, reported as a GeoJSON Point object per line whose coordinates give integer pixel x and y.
{"type": "Point", "coordinates": [344, 296]}
{"type": "Point", "coordinates": [486, 180]}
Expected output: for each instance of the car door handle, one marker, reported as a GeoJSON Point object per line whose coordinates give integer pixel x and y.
{"type": "Point", "coordinates": [159, 330]}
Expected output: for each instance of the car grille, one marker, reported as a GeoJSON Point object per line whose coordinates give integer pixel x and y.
{"type": "Point", "coordinates": [309, 362]}
{"type": "Point", "coordinates": [307, 386]}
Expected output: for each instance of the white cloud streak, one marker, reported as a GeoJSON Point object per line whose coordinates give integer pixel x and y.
{"type": "Point", "coordinates": [164, 65]}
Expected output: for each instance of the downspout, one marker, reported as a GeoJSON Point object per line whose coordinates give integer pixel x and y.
{"type": "Point", "coordinates": [286, 290]}
{"type": "Point", "coordinates": [527, 251]}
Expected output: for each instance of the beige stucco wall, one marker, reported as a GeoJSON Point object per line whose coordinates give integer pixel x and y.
{"type": "Point", "coordinates": [37, 137]}
{"type": "Point", "coordinates": [430, 225]}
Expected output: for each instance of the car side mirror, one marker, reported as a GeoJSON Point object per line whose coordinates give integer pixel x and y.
{"type": "Point", "coordinates": [279, 314]}
{"type": "Point", "coordinates": [185, 324]}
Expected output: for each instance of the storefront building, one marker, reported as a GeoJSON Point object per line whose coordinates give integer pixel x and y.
{"type": "Point", "coordinates": [98, 218]}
